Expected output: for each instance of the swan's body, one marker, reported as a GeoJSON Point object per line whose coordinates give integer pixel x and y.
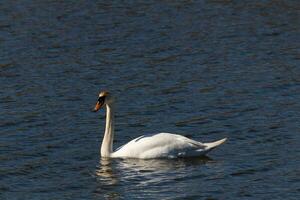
{"type": "Point", "coordinates": [161, 145]}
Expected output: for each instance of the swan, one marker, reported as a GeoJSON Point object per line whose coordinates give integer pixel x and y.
{"type": "Point", "coordinates": [161, 145]}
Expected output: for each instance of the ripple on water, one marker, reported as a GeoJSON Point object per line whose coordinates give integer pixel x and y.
{"type": "Point", "coordinates": [204, 69]}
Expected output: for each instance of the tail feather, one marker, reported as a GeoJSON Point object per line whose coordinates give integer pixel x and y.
{"type": "Point", "coordinates": [212, 145]}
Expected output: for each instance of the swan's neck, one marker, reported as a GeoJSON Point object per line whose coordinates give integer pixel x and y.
{"type": "Point", "coordinates": [107, 143]}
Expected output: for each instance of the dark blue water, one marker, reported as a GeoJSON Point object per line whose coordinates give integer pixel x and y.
{"type": "Point", "coordinates": [203, 69]}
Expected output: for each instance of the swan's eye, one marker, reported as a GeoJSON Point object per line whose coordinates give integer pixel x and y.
{"type": "Point", "coordinates": [101, 99]}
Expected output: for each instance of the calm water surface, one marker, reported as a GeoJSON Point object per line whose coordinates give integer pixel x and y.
{"type": "Point", "coordinates": [204, 69]}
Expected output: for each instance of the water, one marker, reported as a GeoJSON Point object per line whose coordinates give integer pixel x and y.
{"type": "Point", "coordinates": [203, 69]}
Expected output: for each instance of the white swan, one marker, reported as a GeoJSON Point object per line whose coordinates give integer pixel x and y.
{"type": "Point", "coordinates": [161, 145]}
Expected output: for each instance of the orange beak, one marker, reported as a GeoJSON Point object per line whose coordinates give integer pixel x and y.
{"type": "Point", "coordinates": [97, 106]}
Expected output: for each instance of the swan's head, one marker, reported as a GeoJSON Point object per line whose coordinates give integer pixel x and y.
{"type": "Point", "coordinates": [103, 99]}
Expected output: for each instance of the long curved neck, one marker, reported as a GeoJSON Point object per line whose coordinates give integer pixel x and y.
{"type": "Point", "coordinates": [107, 143]}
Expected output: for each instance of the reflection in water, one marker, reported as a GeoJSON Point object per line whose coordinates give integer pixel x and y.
{"type": "Point", "coordinates": [107, 180]}
{"type": "Point", "coordinates": [160, 165]}
{"type": "Point", "coordinates": [145, 172]}
{"type": "Point", "coordinates": [157, 172]}
{"type": "Point", "coordinates": [105, 172]}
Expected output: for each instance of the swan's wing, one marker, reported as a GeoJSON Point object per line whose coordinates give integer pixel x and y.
{"type": "Point", "coordinates": [158, 145]}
